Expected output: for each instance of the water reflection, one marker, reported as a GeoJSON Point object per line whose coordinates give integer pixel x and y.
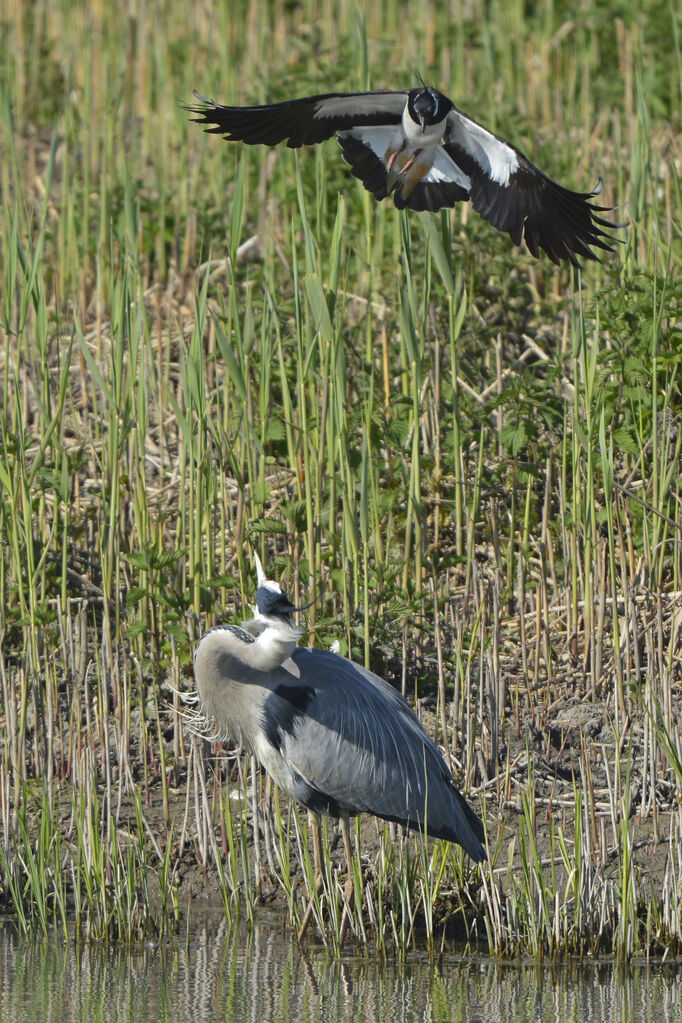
{"type": "Point", "coordinates": [262, 977]}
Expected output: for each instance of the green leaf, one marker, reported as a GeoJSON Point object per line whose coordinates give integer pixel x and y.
{"type": "Point", "coordinates": [514, 437]}
{"type": "Point", "coordinates": [136, 628]}
{"type": "Point", "coordinates": [138, 560]}
{"type": "Point", "coordinates": [135, 595]}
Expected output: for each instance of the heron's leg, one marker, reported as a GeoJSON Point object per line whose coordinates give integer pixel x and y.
{"type": "Point", "coordinates": [255, 810]}
{"type": "Point", "coordinates": [315, 824]}
{"type": "Point", "coordinates": [345, 832]}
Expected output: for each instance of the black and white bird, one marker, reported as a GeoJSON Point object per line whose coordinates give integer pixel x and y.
{"type": "Point", "coordinates": [418, 147]}
{"type": "Point", "coordinates": [332, 734]}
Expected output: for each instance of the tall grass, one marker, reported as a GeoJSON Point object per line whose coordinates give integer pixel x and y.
{"type": "Point", "coordinates": [469, 459]}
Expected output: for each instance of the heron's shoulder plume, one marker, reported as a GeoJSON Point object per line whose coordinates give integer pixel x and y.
{"type": "Point", "coordinates": [220, 630]}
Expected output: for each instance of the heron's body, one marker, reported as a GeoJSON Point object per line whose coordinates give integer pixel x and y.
{"type": "Point", "coordinates": [418, 147]}
{"type": "Point", "coordinates": [336, 737]}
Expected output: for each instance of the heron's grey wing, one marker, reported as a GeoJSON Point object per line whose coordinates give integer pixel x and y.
{"type": "Point", "coordinates": [357, 742]}
{"type": "Point", "coordinates": [302, 122]}
{"type": "Point", "coordinates": [515, 196]}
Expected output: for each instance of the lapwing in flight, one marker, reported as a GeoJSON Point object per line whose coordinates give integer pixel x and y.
{"type": "Point", "coordinates": [418, 147]}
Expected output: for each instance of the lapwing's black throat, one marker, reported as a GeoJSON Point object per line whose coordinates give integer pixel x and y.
{"type": "Point", "coordinates": [419, 148]}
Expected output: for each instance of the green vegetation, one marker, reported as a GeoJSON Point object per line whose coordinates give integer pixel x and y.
{"type": "Point", "coordinates": [469, 459]}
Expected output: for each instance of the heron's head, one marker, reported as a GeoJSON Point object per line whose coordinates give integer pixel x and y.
{"type": "Point", "coordinates": [271, 600]}
{"type": "Point", "coordinates": [428, 106]}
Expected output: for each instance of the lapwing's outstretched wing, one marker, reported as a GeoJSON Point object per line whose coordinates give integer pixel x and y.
{"type": "Point", "coordinates": [514, 195]}
{"type": "Point", "coordinates": [299, 122]}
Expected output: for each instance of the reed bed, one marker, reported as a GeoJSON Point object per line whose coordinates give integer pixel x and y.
{"type": "Point", "coordinates": [468, 460]}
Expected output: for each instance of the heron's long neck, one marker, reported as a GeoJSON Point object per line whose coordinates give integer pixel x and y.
{"type": "Point", "coordinates": [276, 642]}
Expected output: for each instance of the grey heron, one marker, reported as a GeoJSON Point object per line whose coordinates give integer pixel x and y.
{"type": "Point", "coordinates": [417, 146]}
{"type": "Point", "coordinates": [331, 733]}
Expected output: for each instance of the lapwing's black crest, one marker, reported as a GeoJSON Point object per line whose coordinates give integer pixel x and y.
{"type": "Point", "coordinates": [419, 148]}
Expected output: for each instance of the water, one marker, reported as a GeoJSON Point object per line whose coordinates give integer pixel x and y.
{"type": "Point", "coordinates": [263, 977]}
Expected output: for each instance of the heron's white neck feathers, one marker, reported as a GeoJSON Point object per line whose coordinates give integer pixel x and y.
{"type": "Point", "coordinates": [274, 644]}
{"type": "Point", "coordinates": [233, 674]}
